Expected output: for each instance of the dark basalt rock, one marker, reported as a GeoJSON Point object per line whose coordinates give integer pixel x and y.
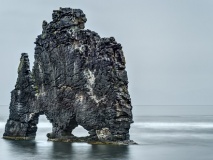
{"type": "Point", "coordinates": [78, 78]}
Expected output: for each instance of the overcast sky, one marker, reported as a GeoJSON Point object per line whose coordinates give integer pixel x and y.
{"type": "Point", "coordinates": [168, 44]}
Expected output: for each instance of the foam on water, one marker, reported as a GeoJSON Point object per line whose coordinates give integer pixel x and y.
{"type": "Point", "coordinates": [179, 125]}
{"type": "Point", "coordinates": [150, 125]}
{"type": "Point", "coordinates": [173, 136]}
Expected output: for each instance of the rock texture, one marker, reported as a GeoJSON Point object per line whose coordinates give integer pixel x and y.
{"type": "Point", "coordinates": [78, 78]}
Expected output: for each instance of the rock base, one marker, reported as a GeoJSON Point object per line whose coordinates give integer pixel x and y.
{"type": "Point", "coordinates": [18, 138]}
{"type": "Point", "coordinates": [74, 139]}
{"type": "Point", "coordinates": [92, 140]}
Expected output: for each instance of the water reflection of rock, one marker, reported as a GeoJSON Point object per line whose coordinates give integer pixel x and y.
{"type": "Point", "coordinates": [20, 148]}
{"type": "Point", "coordinates": [61, 150]}
{"type": "Point", "coordinates": [87, 151]}
{"type": "Point", "coordinates": [108, 152]}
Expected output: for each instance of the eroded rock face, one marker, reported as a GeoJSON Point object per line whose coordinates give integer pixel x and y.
{"type": "Point", "coordinates": [78, 78]}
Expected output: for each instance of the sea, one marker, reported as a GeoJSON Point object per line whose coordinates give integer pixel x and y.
{"type": "Point", "coordinates": [160, 136]}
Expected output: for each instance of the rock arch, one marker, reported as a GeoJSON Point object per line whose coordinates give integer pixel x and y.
{"type": "Point", "coordinates": [78, 78]}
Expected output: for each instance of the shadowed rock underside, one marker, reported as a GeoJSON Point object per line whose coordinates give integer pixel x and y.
{"type": "Point", "coordinates": [78, 78]}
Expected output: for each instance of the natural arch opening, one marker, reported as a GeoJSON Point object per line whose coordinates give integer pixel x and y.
{"type": "Point", "coordinates": [44, 127]}
{"type": "Point", "coordinates": [80, 132]}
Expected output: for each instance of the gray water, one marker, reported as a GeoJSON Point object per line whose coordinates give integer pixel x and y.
{"type": "Point", "coordinates": [160, 137]}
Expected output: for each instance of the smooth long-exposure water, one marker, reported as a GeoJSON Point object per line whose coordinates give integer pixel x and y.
{"type": "Point", "coordinates": [188, 137]}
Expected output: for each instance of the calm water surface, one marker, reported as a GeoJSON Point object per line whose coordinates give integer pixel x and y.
{"type": "Point", "coordinates": [159, 138]}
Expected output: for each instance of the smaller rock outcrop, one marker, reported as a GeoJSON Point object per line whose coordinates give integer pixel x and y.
{"type": "Point", "coordinates": [22, 123]}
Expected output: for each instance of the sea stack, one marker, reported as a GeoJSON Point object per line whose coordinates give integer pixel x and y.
{"type": "Point", "coordinates": [78, 78]}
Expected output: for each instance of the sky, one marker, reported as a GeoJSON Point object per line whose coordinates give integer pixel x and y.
{"type": "Point", "coordinates": [167, 44]}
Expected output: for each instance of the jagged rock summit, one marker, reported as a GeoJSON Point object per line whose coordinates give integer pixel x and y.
{"type": "Point", "coordinates": [78, 78]}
